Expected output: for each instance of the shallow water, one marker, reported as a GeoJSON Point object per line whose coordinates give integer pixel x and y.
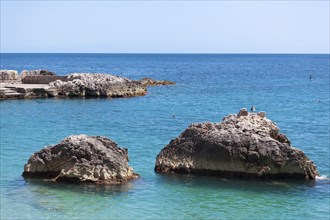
{"type": "Point", "coordinates": [208, 88]}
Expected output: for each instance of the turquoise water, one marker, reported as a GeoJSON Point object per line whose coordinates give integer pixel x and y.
{"type": "Point", "coordinates": [208, 88]}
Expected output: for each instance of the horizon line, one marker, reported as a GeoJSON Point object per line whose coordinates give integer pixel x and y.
{"type": "Point", "coordinates": [183, 53]}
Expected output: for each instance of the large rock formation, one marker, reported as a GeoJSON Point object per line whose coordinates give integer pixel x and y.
{"type": "Point", "coordinates": [152, 82]}
{"type": "Point", "coordinates": [242, 145]}
{"type": "Point", "coordinates": [99, 85]}
{"type": "Point", "coordinates": [81, 158]}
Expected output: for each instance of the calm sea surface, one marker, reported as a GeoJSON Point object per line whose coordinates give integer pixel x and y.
{"type": "Point", "coordinates": [208, 88]}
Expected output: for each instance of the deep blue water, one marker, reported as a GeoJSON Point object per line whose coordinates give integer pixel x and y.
{"type": "Point", "coordinates": [207, 88]}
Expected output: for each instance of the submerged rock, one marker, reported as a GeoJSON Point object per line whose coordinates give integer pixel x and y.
{"type": "Point", "coordinates": [81, 158]}
{"type": "Point", "coordinates": [98, 85]}
{"type": "Point", "coordinates": [242, 145]}
{"type": "Point", "coordinates": [152, 82]}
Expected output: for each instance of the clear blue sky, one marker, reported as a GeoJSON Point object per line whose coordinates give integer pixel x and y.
{"type": "Point", "coordinates": [165, 26]}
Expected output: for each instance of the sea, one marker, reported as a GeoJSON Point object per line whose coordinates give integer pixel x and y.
{"type": "Point", "coordinates": [293, 90]}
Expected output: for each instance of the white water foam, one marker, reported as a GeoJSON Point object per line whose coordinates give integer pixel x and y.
{"type": "Point", "coordinates": [322, 177]}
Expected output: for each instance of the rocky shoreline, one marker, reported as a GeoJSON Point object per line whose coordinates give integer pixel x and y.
{"type": "Point", "coordinates": [43, 84]}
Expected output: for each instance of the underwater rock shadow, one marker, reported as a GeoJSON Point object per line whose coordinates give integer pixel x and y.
{"type": "Point", "coordinates": [85, 188]}
{"type": "Point", "coordinates": [252, 185]}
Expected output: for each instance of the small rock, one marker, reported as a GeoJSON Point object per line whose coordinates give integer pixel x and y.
{"type": "Point", "coordinates": [242, 112]}
{"type": "Point", "coordinates": [262, 114]}
{"type": "Point", "coordinates": [152, 82]}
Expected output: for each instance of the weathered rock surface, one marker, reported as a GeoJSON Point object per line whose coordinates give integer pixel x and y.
{"type": "Point", "coordinates": [152, 82]}
{"type": "Point", "coordinates": [9, 76]}
{"type": "Point", "coordinates": [242, 145]}
{"type": "Point", "coordinates": [43, 79]}
{"type": "Point", "coordinates": [73, 85]}
{"type": "Point", "coordinates": [81, 158]}
{"type": "Point", "coordinates": [99, 85]}
{"type": "Point", "coordinates": [25, 73]}
{"type": "Point", "coordinates": [21, 91]}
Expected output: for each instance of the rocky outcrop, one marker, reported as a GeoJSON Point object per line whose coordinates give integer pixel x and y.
{"type": "Point", "coordinates": [242, 145]}
{"type": "Point", "coordinates": [74, 85]}
{"type": "Point", "coordinates": [81, 158]}
{"type": "Point", "coordinates": [152, 82]}
{"type": "Point", "coordinates": [9, 76]}
{"type": "Point", "coordinates": [98, 85]}
{"type": "Point", "coordinates": [43, 83]}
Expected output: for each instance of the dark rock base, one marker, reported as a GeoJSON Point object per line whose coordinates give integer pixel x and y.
{"type": "Point", "coordinates": [232, 175]}
{"type": "Point", "coordinates": [53, 176]}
